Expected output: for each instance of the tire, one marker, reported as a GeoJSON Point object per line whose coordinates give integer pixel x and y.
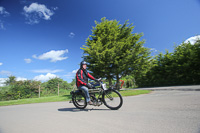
{"type": "Point", "coordinates": [112, 99]}
{"type": "Point", "coordinates": [79, 101]}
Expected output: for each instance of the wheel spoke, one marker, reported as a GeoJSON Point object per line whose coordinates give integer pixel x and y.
{"type": "Point", "coordinates": [113, 99]}
{"type": "Point", "coordinates": [79, 101]}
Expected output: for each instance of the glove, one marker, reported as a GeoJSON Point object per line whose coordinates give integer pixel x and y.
{"type": "Point", "coordinates": [97, 80]}
{"type": "Point", "coordinates": [89, 86]}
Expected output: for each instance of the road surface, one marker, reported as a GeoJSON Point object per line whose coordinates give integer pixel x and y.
{"type": "Point", "coordinates": [157, 112]}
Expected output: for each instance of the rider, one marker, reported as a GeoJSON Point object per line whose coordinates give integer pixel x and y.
{"type": "Point", "coordinates": [82, 80]}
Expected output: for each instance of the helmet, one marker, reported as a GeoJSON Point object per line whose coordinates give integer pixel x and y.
{"type": "Point", "coordinates": [83, 63]}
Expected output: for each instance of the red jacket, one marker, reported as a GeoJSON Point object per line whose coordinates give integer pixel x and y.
{"type": "Point", "coordinates": [82, 77]}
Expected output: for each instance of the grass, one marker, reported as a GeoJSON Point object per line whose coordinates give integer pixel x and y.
{"type": "Point", "coordinates": [133, 92]}
{"type": "Point", "coordinates": [64, 98]}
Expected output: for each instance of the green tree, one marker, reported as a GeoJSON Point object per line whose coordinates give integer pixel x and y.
{"type": "Point", "coordinates": [181, 67]}
{"type": "Point", "coordinates": [52, 84]}
{"type": "Point", "coordinates": [187, 57]}
{"type": "Point", "coordinates": [113, 51]}
{"type": "Point", "coordinates": [24, 89]}
{"type": "Point", "coordinates": [11, 80]}
{"type": "Point", "coordinates": [73, 83]}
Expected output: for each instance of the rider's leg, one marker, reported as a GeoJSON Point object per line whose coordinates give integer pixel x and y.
{"type": "Point", "coordinates": [85, 90]}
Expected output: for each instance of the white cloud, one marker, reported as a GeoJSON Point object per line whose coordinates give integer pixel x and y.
{"type": "Point", "coordinates": [71, 35]}
{"type": "Point", "coordinates": [74, 71]}
{"type": "Point", "coordinates": [3, 13]}
{"type": "Point", "coordinates": [36, 11]}
{"type": "Point", "coordinates": [47, 71]}
{"type": "Point", "coordinates": [21, 79]}
{"type": "Point", "coordinates": [153, 50]}
{"type": "Point", "coordinates": [45, 77]}
{"type": "Point", "coordinates": [28, 60]}
{"type": "Point", "coordinates": [71, 74]}
{"type": "Point", "coordinates": [193, 39]}
{"type": "Point", "coordinates": [1, 64]}
{"type": "Point", "coordinates": [2, 25]}
{"type": "Point", "coordinates": [2, 81]}
{"type": "Point", "coordinates": [7, 73]}
{"type": "Point", "coordinates": [53, 55]}
{"type": "Point", "coordinates": [34, 56]}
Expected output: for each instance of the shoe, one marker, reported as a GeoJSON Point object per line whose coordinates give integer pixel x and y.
{"type": "Point", "coordinates": [90, 103]}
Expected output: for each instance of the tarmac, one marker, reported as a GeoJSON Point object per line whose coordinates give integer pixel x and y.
{"type": "Point", "coordinates": [168, 88]}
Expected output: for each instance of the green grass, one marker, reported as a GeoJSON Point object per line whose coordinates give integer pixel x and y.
{"type": "Point", "coordinates": [133, 92]}
{"type": "Point", "coordinates": [63, 98]}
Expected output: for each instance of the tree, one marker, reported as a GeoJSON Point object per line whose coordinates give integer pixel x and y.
{"type": "Point", "coordinates": [182, 67]}
{"type": "Point", "coordinates": [52, 84]}
{"type": "Point", "coordinates": [187, 57]}
{"type": "Point", "coordinates": [73, 83]}
{"type": "Point", "coordinates": [24, 89]}
{"type": "Point", "coordinates": [113, 51]}
{"type": "Point", "coordinates": [11, 80]}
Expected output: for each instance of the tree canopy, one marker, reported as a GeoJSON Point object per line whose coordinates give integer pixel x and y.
{"type": "Point", "coordinates": [181, 67]}
{"type": "Point", "coordinates": [113, 51]}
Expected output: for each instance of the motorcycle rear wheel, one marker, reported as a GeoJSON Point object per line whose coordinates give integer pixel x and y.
{"type": "Point", "coordinates": [79, 101]}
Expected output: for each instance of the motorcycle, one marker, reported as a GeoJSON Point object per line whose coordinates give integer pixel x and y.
{"type": "Point", "coordinates": [99, 95]}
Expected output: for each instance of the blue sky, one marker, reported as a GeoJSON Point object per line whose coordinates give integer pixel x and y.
{"type": "Point", "coordinates": [41, 39]}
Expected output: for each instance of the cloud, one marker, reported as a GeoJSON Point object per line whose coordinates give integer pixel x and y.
{"type": "Point", "coordinates": [21, 79]}
{"type": "Point", "coordinates": [28, 60]}
{"type": "Point", "coordinates": [3, 14]}
{"type": "Point", "coordinates": [45, 77]}
{"type": "Point", "coordinates": [1, 64]}
{"type": "Point", "coordinates": [2, 81]}
{"type": "Point", "coordinates": [7, 73]}
{"type": "Point", "coordinates": [71, 35]}
{"type": "Point", "coordinates": [193, 39]}
{"type": "Point", "coordinates": [53, 55]}
{"type": "Point", "coordinates": [153, 50]}
{"type": "Point", "coordinates": [74, 71]}
{"type": "Point", "coordinates": [2, 25]}
{"type": "Point", "coordinates": [35, 12]}
{"type": "Point", "coordinates": [47, 71]}
{"type": "Point", "coordinates": [71, 74]}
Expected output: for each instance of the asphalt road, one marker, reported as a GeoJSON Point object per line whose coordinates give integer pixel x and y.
{"type": "Point", "coordinates": [157, 112]}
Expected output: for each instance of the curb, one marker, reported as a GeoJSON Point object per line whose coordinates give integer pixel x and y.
{"type": "Point", "coordinates": [172, 88]}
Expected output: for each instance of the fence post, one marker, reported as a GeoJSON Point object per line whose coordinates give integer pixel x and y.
{"type": "Point", "coordinates": [39, 91]}
{"type": "Point", "coordinates": [58, 88]}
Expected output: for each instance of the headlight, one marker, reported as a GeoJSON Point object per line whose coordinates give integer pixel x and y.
{"type": "Point", "coordinates": [104, 86]}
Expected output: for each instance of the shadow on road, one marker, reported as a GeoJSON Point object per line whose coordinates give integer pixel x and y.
{"type": "Point", "coordinates": [78, 110]}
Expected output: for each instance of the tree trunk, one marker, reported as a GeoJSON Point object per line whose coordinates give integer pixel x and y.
{"type": "Point", "coordinates": [134, 83]}
{"type": "Point", "coordinates": [58, 89]}
{"type": "Point", "coordinates": [117, 85]}
{"type": "Point", "coordinates": [110, 82]}
{"type": "Point", "coordinates": [39, 91]}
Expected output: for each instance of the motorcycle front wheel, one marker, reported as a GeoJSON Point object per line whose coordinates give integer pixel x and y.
{"type": "Point", "coordinates": [112, 99]}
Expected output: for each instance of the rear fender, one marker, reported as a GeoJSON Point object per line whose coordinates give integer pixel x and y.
{"type": "Point", "coordinates": [77, 92]}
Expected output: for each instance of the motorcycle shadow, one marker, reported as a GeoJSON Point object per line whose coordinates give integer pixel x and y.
{"type": "Point", "coordinates": [79, 110]}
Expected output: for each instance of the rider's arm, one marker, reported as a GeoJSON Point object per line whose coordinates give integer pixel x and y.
{"type": "Point", "coordinates": [91, 77]}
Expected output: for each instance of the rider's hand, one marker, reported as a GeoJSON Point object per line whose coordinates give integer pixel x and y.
{"type": "Point", "coordinates": [97, 80]}
{"type": "Point", "coordinates": [89, 86]}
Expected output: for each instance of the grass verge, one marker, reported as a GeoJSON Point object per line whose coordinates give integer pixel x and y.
{"type": "Point", "coordinates": [133, 92]}
{"type": "Point", "coordinates": [66, 97]}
